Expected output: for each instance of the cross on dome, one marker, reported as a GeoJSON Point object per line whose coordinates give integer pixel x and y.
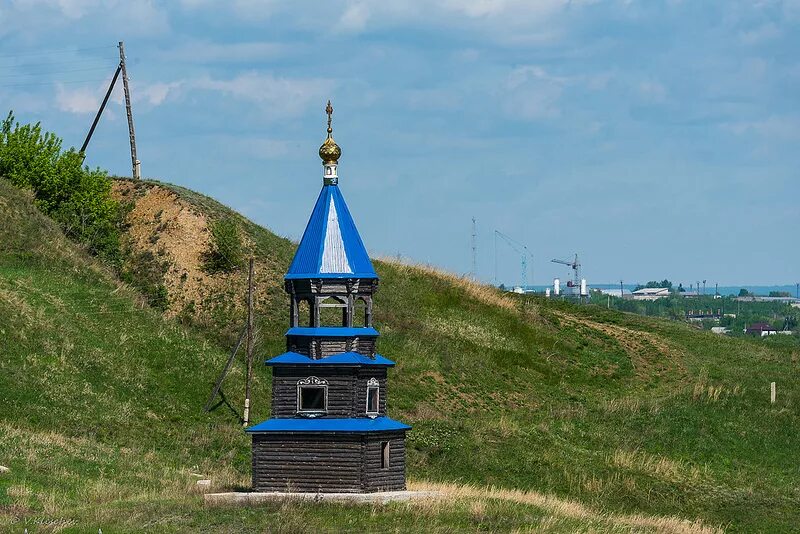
{"type": "Point", "coordinates": [330, 152]}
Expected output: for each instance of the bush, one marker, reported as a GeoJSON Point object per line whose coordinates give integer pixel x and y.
{"type": "Point", "coordinates": [75, 196]}
{"type": "Point", "coordinates": [226, 251]}
{"type": "Point", "coordinates": [145, 272]}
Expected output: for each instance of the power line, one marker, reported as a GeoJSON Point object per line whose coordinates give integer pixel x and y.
{"type": "Point", "coordinates": [47, 73]}
{"type": "Point", "coordinates": [56, 82]}
{"type": "Point", "coordinates": [70, 62]}
{"type": "Point", "coordinates": [56, 51]}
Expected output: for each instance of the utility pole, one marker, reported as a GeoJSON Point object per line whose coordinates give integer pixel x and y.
{"type": "Point", "coordinates": [474, 249]}
{"type": "Point", "coordinates": [249, 343]}
{"type": "Point", "coordinates": [131, 132]}
{"type": "Point", "coordinates": [704, 287]}
{"type": "Point", "coordinates": [495, 258]}
{"type": "Point", "coordinates": [621, 291]}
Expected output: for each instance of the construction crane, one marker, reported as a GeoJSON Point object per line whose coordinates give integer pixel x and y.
{"type": "Point", "coordinates": [575, 283]}
{"type": "Point", "coordinates": [520, 249]}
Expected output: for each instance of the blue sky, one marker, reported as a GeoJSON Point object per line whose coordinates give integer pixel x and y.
{"type": "Point", "coordinates": [656, 139]}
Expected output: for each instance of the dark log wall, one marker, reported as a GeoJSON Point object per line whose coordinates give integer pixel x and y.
{"type": "Point", "coordinates": [320, 347]}
{"type": "Point", "coordinates": [341, 382]}
{"type": "Point", "coordinates": [347, 389]}
{"type": "Point", "coordinates": [327, 463]}
{"type": "Point", "coordinates": [385, 479]}
{"type": "Point", "coordinates": [307, 462]}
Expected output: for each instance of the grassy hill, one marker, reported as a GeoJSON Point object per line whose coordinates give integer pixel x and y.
{"type": "Point", "coordinates": [588, 419]}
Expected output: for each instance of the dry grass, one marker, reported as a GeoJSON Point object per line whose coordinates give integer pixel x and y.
{"type": "Point", "coordinates": [557, 507]}
{"type": "Point", "coordinates": [473, 329]}
{"type": "Point", "coordinates": [481, 292]}
{"type": "Point", "coordinates": [703, 390]}
{"type": "Point", "coordinates": [658, 466]}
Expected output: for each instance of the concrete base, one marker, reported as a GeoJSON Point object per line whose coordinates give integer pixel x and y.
{"type": "Point", "coordinates": [252, 498]}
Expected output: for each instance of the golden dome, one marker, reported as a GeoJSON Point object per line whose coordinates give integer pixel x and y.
{"type": "Point", "coordinates": [329, 151]}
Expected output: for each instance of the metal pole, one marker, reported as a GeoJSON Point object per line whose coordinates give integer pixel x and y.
{"type": "Point", "coordinates": [227, 368]}
{"type": "Point", "coordinates": [100, 111]}
{"type": "Point", "coordinates": [249, 343]}
{"type": "Point", "coordinates": [131, 132]}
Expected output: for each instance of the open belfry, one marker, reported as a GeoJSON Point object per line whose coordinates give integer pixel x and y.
{"type": "Point", "coordinates": [329, 431]}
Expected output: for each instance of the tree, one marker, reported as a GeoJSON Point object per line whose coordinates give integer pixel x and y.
{"type": "Point", "coordinates": [75, 196]}
{"type": "Point", "coordinates": [744, 293]}
{"type": "Point", "coordinates": [779, 294]}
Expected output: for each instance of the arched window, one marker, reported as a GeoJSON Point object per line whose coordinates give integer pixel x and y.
{"type": "Point", "coordinates": [373, 397]}
{"type": "Point", "coordinates": [303, 313]}
{"type": "Point", "coordinates": [333, 312]}
{"type": "Point", "coordinates": [360, 318]}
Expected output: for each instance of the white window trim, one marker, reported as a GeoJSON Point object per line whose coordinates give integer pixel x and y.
{"type": "Point", "coordinates": [372, 383]}
{"type": "Point", "coordinates": [312, 381]}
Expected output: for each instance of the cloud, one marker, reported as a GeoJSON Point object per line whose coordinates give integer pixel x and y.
{"type": "Point", "coordinates": [432, 99]}
{"type": "Point", "coordinates": [653, 91]}
{"type": "Point", "coordinates": [501, 20]}
{"type": "Point", "coordinates": [759, 34]}
{"type": "Point", "coordinates": [79, 101]}
{"type": "Point", "coordinates": [209, 52]}
{"type": "Point", "coordinates": [354, 19]}
{"type": "Point", "coordinates": [263, 148]}
{"type": "Point", "coordinates": [246, 10]}
{"type": "Point", "coordinates": [532, 93]}
{"type": "Point", "coordinates": [282, 97]}
{"type": "Point", "coordinates": [773, 128]}
{"type": "Point", "coordinates": [155, 94]}
{"type": "Point", "coordinates": [140, 17]}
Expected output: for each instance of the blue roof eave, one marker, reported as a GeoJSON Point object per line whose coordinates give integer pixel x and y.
{"type": "Point", "coordinates": [332, 331]}
{"type": "Point", "coordinates": [351, 359]}
{"type": "Point", "coordinates": [316, 425]}
{"type": "Point", "coordinates": [331, 276]}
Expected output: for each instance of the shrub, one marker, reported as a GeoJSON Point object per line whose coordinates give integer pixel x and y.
{"type": "Point", "coordinates": [226, 252]}
{"type": "Point", "coordinates": [145, 272]}
{"type": "Point", "coordinates": [76, 197]}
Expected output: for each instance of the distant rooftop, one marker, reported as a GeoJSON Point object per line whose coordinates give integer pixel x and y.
{"type": "Point", "coordinates": [652, 291]}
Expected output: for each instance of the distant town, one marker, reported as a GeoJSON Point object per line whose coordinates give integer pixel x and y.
{"type": "Point", "coordinates": [725, 311]}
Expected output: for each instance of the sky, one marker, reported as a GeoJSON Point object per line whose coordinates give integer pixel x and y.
{"type": "Point", "coordinates": [654, 139]}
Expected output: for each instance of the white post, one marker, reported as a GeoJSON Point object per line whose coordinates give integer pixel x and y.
{"type": "Point", "coordinates": [772, 392]}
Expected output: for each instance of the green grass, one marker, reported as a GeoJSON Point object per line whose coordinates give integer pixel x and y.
{"type": "Point", "coordinates": [102, 422]}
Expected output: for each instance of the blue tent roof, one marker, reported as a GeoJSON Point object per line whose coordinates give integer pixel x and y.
{"type": "Point", "coordinates": [353, 424]}
{"type": "Point", "coordinates": [331, 246]}
{"type": "Point", "coordinates": [332, 331]}
{"type": "Point", "coordinates": [344, 358]}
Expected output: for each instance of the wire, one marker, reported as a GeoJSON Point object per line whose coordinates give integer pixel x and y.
{"type": "Point", "coordinates": [57, 51]}
{"type": "Point", "coordinates": [55, 83]}
{"type": "Point", "coordinates": [47, 73]}
{"type": "Point", "coordinates": [85, 60]}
